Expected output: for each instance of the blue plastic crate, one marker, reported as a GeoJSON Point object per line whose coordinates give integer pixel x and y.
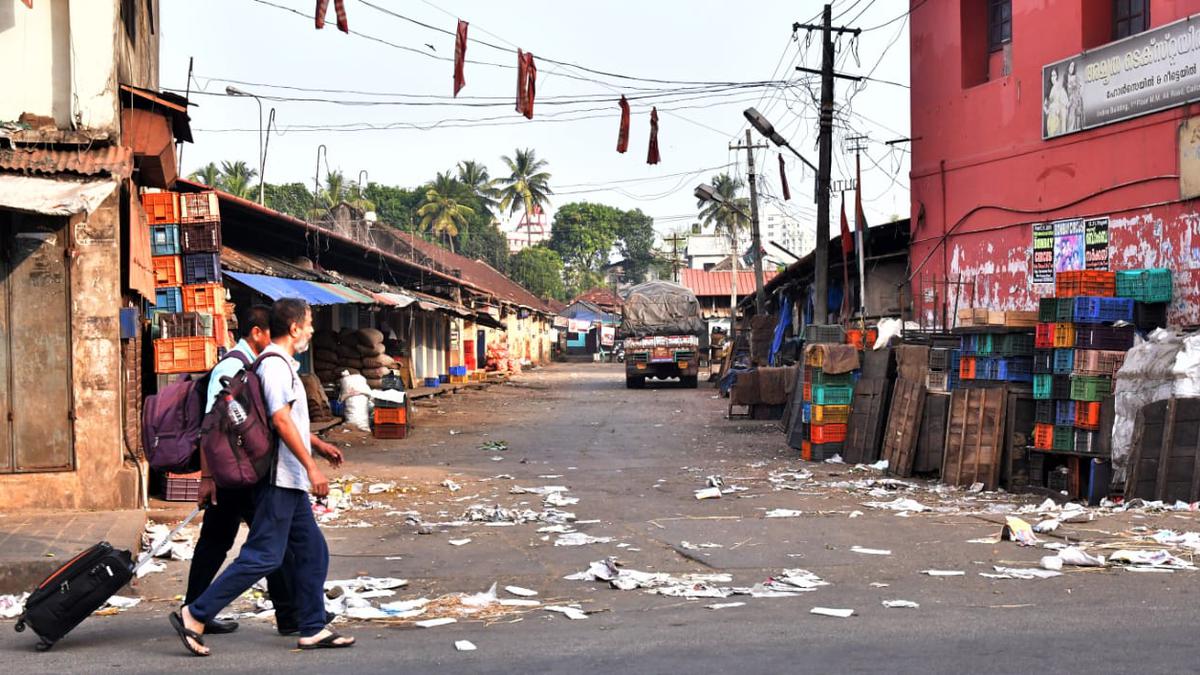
{"type": "Point", "coordinates": [1064, 361]}
{"type": "Point", "coordinates": [970, 344]}
{"type": "Point", "coordinates": [1103, 310]}
{"type": "Point", "coordinates": [202, 268]}
{"type": "Point", "coordinates": [806, 413]}
{"type": "Point", "coordinates": [1015, 369]}
{"type": "Point", "coordinates": [1064, 413]}
{"type": "Point", "coordinates": [168, 299]}
{"type": "Point", "coordinates": [164, 240]}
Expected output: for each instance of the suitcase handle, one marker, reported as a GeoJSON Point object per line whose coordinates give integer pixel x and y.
{"type": "Point", "coordinates": [149, 555]}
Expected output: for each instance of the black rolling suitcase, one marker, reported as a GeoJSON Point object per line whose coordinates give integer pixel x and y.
{"type": "Point", "coordinates": [80, 587]}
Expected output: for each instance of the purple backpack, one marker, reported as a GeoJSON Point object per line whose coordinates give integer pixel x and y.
{"type": "Point", "coordinates": [237, 438]}
{"type": "Point", "coordinates": [171, 421]}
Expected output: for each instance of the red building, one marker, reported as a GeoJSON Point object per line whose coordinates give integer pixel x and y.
{"type": "Point", "coordinates": [1069, 119]}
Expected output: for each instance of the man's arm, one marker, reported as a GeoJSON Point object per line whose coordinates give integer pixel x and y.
{"type": "Point", "coordinates": [327, 450]}
{"type": "Point", "coordinates": [290, 435]}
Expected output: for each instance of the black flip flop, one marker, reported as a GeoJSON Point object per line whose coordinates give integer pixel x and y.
{"type": "Point", "coordinates": [328, 642]}
{"type": "Point", "coordinates": [185, 633]}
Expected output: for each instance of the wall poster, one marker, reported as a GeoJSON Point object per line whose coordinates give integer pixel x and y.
{"type": "Point", "coordinates": [1068, 245]}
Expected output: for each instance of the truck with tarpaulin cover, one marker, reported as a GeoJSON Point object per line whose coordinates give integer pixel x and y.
{"type": "Point", "coordinates": [661, 329]}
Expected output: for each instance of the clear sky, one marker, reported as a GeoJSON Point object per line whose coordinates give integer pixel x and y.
{"type": "Point", "coordinates": [262, 49]}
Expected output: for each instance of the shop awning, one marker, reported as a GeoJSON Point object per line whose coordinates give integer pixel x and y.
{"type": "Point", "coordinates": [53, 196]}
{"type": "Point", "coordinates": [485, 319]}
{"type": "Point", "coordinates": [351, 295]}
{"type": "Point", "coordinates": [314, 293]}
{"type": "Point", "coordinates": [394, 299]}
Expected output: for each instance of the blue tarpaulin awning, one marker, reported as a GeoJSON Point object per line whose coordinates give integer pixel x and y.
{"type": "Point", "coordinates": [277, 287]}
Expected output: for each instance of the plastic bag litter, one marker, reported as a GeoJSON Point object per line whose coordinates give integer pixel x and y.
{"type": "Point", "coordinates": [580, 539]}
{"type": "Point", "coordinates": [835, 613]}
{"type": "Point", "coordinates": [570, 612]}
{"type": "Point", "coordinates": [899, 504]}
{"type": "Point", "coordinates": [901, 604]}
{"type": "Point", "coordinates": [1020, 573]}
{"type": "Point", "coordinates": [1019, 531]}
{"type": "Point", "coordinates": [783, 513]}
{"type": "Point", "coordinates": [1147, 375]}
{"type": "Point", "coordinates": [11, 606]}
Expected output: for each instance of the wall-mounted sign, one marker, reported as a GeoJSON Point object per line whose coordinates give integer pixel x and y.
{"type": "Point", "coordinates": [1068, 245]}
{"type": "Point", "coordinates": [1141, 74]}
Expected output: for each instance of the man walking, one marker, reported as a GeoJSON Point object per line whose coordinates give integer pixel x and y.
{"type": "Point", "coordinates": [283, 522]}
{"type": "Point", "coordinates": [228, 508]}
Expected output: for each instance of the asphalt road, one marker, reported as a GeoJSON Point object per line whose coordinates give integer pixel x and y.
{"type": "Point", "coordinates": [634, 458]}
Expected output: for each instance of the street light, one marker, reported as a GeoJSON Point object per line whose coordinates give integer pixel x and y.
{"type": "Point", "coordinates": [262, 149]}
{"type": "Point", "coordinates": [706, 193]}
{"type": "Point", "coordinates": [821, 195]}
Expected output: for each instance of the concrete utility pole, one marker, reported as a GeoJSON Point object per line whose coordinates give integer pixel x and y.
{"type": "Point", "coordinates": [676, 263]}
{"type": "Point", "coordinates": [858, 144]}
{"type": "Point", "coordinates": [760, 299]}
{"type": "Point", "coordinates": [825, 155]}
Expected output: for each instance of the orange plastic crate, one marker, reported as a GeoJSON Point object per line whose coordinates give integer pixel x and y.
{"type": "Point", "coordinates": [1064, 335]}
{"type": "Point", "coordinates": [1085, 283]}
{"type": "Point", "coordinates": [391, 415]}
{"type": "Point", "coordinates": [1087, 415]}
{"type": "Point", "coordinates": [221, 332]}
{"type": "Point", "coordinates": [185, 355]}
{"type": "Point", "coordinates": [966, 368]}
{"type": "Point", "coordinates": [1043, 436]}
{"type": "Point", "coordinates": [168, 270]}
{"type": "Point", "coordinates": [830, 414]}
{"type": "Point", "coordinates": [207, 298]}
{"type": "Point", "coordinates": [807, 390]}
{"type": "Point", "coordinates": [806, 450]}
{"type": "Point", "coordinates": [828, 433]}
{"type": "Point", "coordinates": [162, 208]}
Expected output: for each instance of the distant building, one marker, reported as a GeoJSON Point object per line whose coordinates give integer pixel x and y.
{"type": "Point", "coordinates": [531, 230]}
{"type": "Point", "coordinates": [781, 229]}
{"type": "Point", "coordinates": [713, 290]}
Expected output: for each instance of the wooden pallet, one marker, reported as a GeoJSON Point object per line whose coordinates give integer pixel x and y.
{"type": "Point", "coordinates": [975, 437]}
{"type": "Point", "coordinates": [903, 426]}
{"type": "Point", "coordinates": [1164, 462]}
{"type": "Point", "coordinates": [867, 414]}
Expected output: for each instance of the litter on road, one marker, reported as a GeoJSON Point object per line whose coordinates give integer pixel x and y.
{"type": "Point", "coordinates": [828, 611]}
{"type": "Point", "coordinates": [944, 573]}
{"type": "Point", "coordinates": [783, 513]}
{"type": "Point", "coordinates": [521, 592]}
{"type": "Point", "coordinates": [464, 645]}
{"type": "Point", "coordinates": [573, 613]}
{"type": "Point", "coordinates": [709, 493]}
{"type": "Point", "coordinates": [459, 542]}
{"type": "Point", "coordinates": [725, 605]}
{"type": "Point", "coordinates": [901, 604]}
{"type": "Point", "coordinates": [580, 539]}
{"type": "Point", "coordinates": [870, 551]}
{"type": "Point", "coordinates": [434, 623]}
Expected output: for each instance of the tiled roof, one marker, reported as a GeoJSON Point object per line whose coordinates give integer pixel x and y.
{"type": "Point", "coordinates": [472, 271]}
{"type": "Point", "coordinates": [709, 284]}
{"type": "Point", "coordinates": [602, 297]}
{"type": "Point", "coordinates": [113, 159]}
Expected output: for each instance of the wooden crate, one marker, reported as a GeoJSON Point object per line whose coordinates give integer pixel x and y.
{"type": "Point", "coordinates": [868, 413]}
{"type": "Point", "coordinates": [903, 425]}
{"type": "Point", "coordinates": [995, 318]}
{"type": "Point", "coordinates": [975, 437]}
{"type": "Point", "coordinates": [1015, 319]}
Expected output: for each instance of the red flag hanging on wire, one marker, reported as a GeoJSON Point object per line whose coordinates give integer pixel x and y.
{"type": "Point", "coordinates": [623, 132]}
{"type": "Point", "coordinates": [860, 218]}
{"type": "Point", "coordinates": [520, 81]}
{"type": "Point", "coordinates": [847, 247]}
{"type": "Point", "coordinates": [28, 3]}
{"type": "Point", "coordinates": [530, 84]}
{"type": "Point", "coordinates": [460, 56]}
{"type": "Point", "coordinates": [787, 194]}
{"type": "Point", "coordinates": [339, 7]}
{"type": "Point", "coordinates": [652, 156]}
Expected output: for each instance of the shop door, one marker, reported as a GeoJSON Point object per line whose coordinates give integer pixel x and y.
{"type": "Point", "coordinates": [35, 355]}
{"type": "Point", "coordinates": [481, 350]}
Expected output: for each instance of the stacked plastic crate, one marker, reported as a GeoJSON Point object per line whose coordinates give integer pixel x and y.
{"type": "Point", "coordinates": [1084, 333]}
{"type": "Point", "coordinates": [994, 354]}
{"type": "Point", "coordinates": [827, 398]}
{"type": "Point", "coordinates": [190, 316]}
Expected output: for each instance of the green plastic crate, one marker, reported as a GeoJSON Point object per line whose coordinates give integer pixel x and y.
{"type": "Point", "coordinates": [1087, 388]}
{"type": "Point", "coordinates": [986, 345]}
{"type": "Point", "coordinates": [1042, 386]}
{"type": "Point", "coordinates": [821, 378]}
{"type": "Point", "coordinates": [832, 394]}
{"type": "Point", "coordinates": [1064, 439]}
{"type": "Point", "coordinates": [1148, 285]}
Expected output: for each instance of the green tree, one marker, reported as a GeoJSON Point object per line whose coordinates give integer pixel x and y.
{"type": "Point", "coordinates": [334, 192]}
{"type": "Point", "coordinates": [635, 241]}
{"type": "Point", "coordinates": [294, 199]}
{"type": "Point", "coordinates": [237, 178]}
{"type": "Point", "coordinates": [208, 175]}
{"type": "Point", "coordinates": [540, 270]}
{"type": "Point", "coordinates": [356, 197]}
{"type": "Point", "coordinates": [395, 206]}
{"type": "Point", "coordinates": [583, 235]}
{"type": "Point", "coordinates": [527, 186]}
{"type": "Point", "coordinates": [723, 216]}
{"type": "Point", "coordinates": [441, 213]}
{"type": "Point", "coordinates": [475, 177]}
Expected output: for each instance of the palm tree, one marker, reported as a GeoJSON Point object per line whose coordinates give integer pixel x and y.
{"type": "Point", "coordinates": [475, 177]}
{"type": "Point", "coordinates": [357, 198]}
{"type": "Point", "coordinates": [441, 213]}
{"type": "Point", "coordinates": [335, 189]}
{"type": "Point", "coordinates": [237, 178]}
{"type": "Point", "coordinates": [723, 216]}
{"type": "Point", "coordinates": [527, 185]}
{"type": "Point", "coordinates": [208, 174]}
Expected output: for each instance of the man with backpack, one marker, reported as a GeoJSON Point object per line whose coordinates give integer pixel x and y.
{"type": "Point", "coordinates": [283, 523]}
{"type": "Point", "coordinates": [228, 508]}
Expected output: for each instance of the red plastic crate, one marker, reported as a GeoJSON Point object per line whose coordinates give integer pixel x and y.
{"type": "Point", "coordinates": [828, 433]}
{"type": "Point", "coordinates": [182, 487]}
{"type": "Point", "coordinates": [1085, 282]}
{"type": "Point", "coordinates": [1087, 415]}
{"type": "Point", "coordinates": [391, 431]}
{"type": "Point", "coordinates": [185, 355]}
{"type": "Point", "coordinates": [854, 336]}
{"type": "Point", "coordinates": [391, 415]}
{"type": "Point", "coordinates": [1043, 336]}
{"type": "Point", "coordinates": [198, 207]}
{"type": "Point", "coordinates": [966, 368]}
{"type": "Point", "coordinates": [207, 298]}
{"type": "Point", "coordinates": [168, 271]}
{"type": "Point", "coordinates": [807, 390]}
{"type": "Point", "coordinates": [162, 208]}
{"type": "Point", "coordinates": [1043, 436]}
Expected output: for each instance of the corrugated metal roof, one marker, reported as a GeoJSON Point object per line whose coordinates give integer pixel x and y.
{"type": "Point", "coordinates": [276, 288]}
{"type": "Point", "coordinates": [112, 159]}
{"type": "Point", "coordinates": [708, 284]}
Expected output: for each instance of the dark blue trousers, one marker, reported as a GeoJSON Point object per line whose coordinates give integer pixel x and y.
{"type": "Point", "coordinates": [283, 524]}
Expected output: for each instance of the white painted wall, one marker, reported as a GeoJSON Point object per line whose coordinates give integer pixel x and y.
{"type": "Point", "coordinates": [59, 59]}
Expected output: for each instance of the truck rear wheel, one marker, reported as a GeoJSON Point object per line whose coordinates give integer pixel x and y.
{"type": "Point", "coordinates": [634, 382]}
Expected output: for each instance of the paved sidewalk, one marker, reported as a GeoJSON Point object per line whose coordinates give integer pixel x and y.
{"type": "Point", "coordinates": [33, 544]}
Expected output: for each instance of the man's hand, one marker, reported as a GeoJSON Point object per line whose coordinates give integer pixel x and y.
{"type": "Point", "coordinates": [208, 492]}
{"type": "Point", "coordinates": [320, 484]}
{"type": "Point", "coordinates": [328, 451]}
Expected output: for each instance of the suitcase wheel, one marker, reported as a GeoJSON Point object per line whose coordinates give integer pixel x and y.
{"type": "Point", "coordinates": [20, 627]}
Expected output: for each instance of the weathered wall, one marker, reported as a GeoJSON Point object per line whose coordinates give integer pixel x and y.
{"type": "Point", "coordinates": [101, 479]}
{"type": "Point", "coordinates": [982, 175]}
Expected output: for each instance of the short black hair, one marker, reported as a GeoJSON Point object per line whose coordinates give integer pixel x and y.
{"type": "Point", "coordinates": [284, 313]}
{"type": "Point", "coordinates": [258, 316]}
